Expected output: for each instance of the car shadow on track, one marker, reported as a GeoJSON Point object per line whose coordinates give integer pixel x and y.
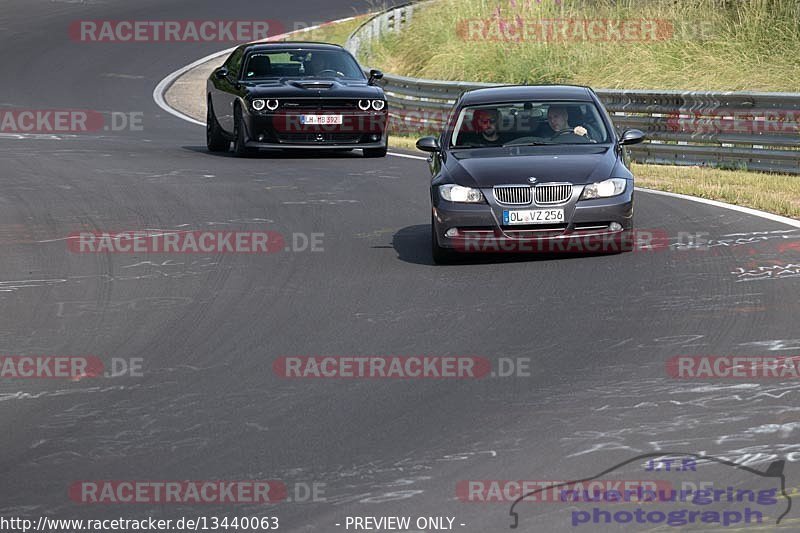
{"type": "Point", "coordinates": [282, 154]}
{"type": "Point", "coordinates": [413, 245]}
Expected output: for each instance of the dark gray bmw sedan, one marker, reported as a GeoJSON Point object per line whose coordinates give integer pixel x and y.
{"type": "Point", "coordinates": [530, 169]}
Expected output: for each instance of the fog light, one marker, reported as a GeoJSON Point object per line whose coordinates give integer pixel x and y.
{"type": "Point", "coordinates": [261, 138]}
{"type": "Point", "coordinates": [375, 137]}
{"type": "Point", "coordinates": [452, 232]}
{"type": "Point", "coordinates": [615, 226]}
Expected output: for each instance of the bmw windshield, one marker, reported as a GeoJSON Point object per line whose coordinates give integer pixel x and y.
{"type": "Point", "coordinates": [529, 124]}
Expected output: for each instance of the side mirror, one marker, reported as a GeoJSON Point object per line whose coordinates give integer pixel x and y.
{"type": "Point", "coordinates": [632, 137]}
{"type": "Point", "coordinates": [221, 73]}
{"type": "Point", "coordinates": [374, 75]}
{"type": "Point", "coordinates": [428, 144]}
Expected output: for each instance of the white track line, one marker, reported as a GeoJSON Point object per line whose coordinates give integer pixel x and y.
{"type": "Point", "coordinates": [747, 210]}
{"type": "Point", "coordinates": [164, 85]}
{"type": "Point", "coordinates": [407, 156]}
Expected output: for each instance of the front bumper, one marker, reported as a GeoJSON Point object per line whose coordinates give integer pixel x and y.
{"type": "Point", "coordinates": [284, 129]}
{"type": "Point", "coordinates": [319, 146]}
{"type": "Point", "coordinates": [587, 225]}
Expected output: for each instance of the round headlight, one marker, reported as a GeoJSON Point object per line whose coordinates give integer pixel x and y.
{"type": "Point", "coordinates": [377, 105]}
{"type": "Point", "coordinates": [364, 105]}
{"type": "Point", "coordinates": [258, 105]}
{"type": "Point", "coordinates": [272, 105]}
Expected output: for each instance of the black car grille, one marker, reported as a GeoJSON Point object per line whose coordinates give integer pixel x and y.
{"type": "Point", "coordinates": [551, 194]}
{"type": "Point", "coordinates": [315, 103]}
{"type": "Point", "coordinates": [513, 195]}
{"type": "Point", "coordinates": [319, 138]}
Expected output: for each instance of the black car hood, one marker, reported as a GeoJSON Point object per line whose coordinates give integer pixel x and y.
{"type": "Point", "coordinates": [488, 167]}
{"type": "Point", "coordinates": [313, 87]}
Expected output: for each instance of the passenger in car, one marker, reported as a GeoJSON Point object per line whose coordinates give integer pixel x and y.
{"type": "Point", "coordinates": [483, 130]}
{"type": "Point", "coordinates": [558, 124]}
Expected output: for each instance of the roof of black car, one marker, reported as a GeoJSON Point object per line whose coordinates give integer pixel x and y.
{"type": "Point", "coordinates": [294, 45]}
{"type": "Point", "coordinates": [515, 93]}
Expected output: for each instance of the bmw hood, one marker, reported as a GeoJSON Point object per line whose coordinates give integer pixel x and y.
{"type": "Point", "coordinates": [489, 167]}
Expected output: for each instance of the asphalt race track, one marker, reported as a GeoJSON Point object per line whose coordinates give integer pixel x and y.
{"type": "Point", "coordinates": [207, 405]}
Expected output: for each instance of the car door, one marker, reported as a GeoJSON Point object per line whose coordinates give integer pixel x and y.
{"type": "Point", "coordinates": [227, 90]}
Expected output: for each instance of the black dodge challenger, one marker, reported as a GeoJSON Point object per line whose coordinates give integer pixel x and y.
{"type": "Point", "coordinates": [295, 95]}
{"type": "Point", "coordinates": [530, 169]}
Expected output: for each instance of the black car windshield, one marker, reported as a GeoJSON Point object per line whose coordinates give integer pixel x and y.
{"type": "Point", "coordinates": [528, 124]}
{"type": "Point", "coordinates": [300, 63]}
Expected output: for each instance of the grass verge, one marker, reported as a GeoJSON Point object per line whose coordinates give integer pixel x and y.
{"type": "Point", "coordinates": [775, 193]}
{"type": "Point", "coordinates": [727, 45]}
{"type": "Point", "coordinates": [330, 33]}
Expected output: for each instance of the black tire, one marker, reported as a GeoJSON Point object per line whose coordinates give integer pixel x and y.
{"type": "Point", "coordinates": [239, 147]}
{"type": "Point", "coordinates": [441, 256]}
{"type": "Point", "coordinates": [375, 152]}
{"type": "Point", "coordinates": [215, 140]}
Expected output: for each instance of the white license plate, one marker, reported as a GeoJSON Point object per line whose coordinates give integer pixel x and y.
{"type": "Point", "coordinates": [533, 216]}
{"type": "Point", "coordinates": [321, 120]}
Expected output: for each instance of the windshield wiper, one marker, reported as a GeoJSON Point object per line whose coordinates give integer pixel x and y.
{"type": "Point", "coordinates": [534, 143]}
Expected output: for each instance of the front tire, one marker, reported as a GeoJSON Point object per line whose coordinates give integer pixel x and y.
{"type": "Point", "coordinates": [239, 144]}
{"type": "Point", "coordinates": [215, 140]}
{"type": "Point", "coordinates": [376, 152]}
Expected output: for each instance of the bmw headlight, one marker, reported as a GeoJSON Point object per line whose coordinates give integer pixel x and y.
{"type": "Point", "coordinates": [258, 105]}
{"type": "Point", "coordinates": [604, 189]}
{"type": "Point", "coordinates": [456, 193]}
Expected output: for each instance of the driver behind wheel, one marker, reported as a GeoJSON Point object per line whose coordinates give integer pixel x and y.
{"type": "Point", "coordinates": [324, 65]}
{"type": "Point", "coordinates": [558, 120]}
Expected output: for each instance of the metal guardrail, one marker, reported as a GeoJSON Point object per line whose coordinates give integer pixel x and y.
{"type": "Point", "coordinates": [748, 130]}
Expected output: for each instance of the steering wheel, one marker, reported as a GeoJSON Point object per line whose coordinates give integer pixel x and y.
{"type": "Point", "coordinates": [336, 73]}
{"type": "Point", "coordinates": [569, 131]}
